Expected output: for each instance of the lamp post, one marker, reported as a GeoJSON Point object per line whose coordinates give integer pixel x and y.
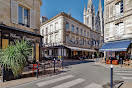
{"type": "Point", "coordinates": [53, 57]}
{"type": "Point", "coordinates": [111, 75]}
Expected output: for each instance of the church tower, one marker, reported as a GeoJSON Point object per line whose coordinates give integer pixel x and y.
{"type": "Point", "coordinates": [89, 15]}
{"type": "Point", "coordinates": [99, 19]}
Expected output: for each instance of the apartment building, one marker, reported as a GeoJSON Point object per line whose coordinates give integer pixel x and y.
{"type": "Point", "coordinates": [66, 36]}
{"type": "Point", "coordinates": [20, 19]}
{"type": "Point", "coordinates": [117, 28]}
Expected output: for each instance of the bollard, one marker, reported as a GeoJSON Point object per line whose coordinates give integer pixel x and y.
{"type": "Point", "coordinates": [54, 65]}
{"type": "Point", "coordinates": [111, 75]}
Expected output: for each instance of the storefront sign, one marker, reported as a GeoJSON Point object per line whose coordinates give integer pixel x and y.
{"type": "Point", "coordinates": [14, 36]}
{"type": "Point", "coordinates": [28, 39]}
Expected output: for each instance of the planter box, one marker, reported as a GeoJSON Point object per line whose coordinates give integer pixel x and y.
{"type": "Point", "coordinates": [114, 62]}
{"type": "Point", "coordinates": [8, 75]}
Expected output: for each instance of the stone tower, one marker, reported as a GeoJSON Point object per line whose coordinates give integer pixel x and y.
{"type": "Point", "coordinates": [99, 19]}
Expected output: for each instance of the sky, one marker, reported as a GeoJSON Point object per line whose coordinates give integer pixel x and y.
{"type": "Point", "coordinates": [51, 8]}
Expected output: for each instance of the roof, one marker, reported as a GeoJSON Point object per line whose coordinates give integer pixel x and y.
{"type": "Point", "coordinates": [20, 30]}
{"type": "Point", "coordinates": [70, 17]}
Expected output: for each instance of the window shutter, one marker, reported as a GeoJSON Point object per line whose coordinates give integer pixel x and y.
{"type": "Point", "coordinates": [32, 19]}
{"type": "Point", "coordinates": [14, 11]}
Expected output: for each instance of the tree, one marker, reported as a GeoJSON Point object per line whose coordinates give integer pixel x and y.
{"type": "Point", "coordinates": [15, 56]}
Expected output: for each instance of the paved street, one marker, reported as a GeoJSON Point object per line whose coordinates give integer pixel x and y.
{"type": "Point", "coordinates": [77, 74]}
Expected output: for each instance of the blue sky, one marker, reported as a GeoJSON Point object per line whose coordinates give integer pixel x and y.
{"type": "Point", "coordinates": [51, 8]}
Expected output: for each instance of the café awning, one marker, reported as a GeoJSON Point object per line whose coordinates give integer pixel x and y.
{"type": "Point", "coordinates": [116, 46]}
{"type": "Point", "coordinates": [80, 49]}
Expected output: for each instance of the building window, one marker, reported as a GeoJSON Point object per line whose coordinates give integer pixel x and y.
{"type": "Point", "coordinates": [67, 26]}
{"type": "Point", "coordinates": [77, 31]}
{"type": "Point", "coordinates": [81, 31]}
{"type": "Point", "coordinates": [42, 31]}
{"type": "Point", "coordinates": [119, 29]}
{"type": "Point", "coordinates": [119, 7]}
{"type": "Point", "coordinates": [84, 32]}
{"type": "Point", "coordinates": [23, 16]}
{"type": "Point", "coordinates": [51, 28]}
{"type": "Point", "coordinates": [72, 28]}
{"type": "Point", "coordinates": [26, 17]}
{"type": "Point", "coordinates": [56, 26]}
{"type": "Point", "coordinates": [46, 30]}
{"type": "Point", "coordinates": [87, 34]}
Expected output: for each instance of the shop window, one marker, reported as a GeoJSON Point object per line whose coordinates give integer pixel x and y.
{"type": "Point", "coordinates": [23, 16]}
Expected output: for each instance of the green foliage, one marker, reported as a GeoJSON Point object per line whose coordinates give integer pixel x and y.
{"type": "Point", "coordinates": [15, 56]}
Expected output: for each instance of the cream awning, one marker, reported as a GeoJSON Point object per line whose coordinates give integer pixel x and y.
{"type": "Point", "coordinates": [80, 49]}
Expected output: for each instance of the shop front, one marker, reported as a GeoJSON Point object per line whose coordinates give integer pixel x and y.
{"type": "Point", "coordinates": [117, 51]}
{"type": "Point", "coordinates": [77, 52]}
{"type": "Point", "coordinates": [8, 36]}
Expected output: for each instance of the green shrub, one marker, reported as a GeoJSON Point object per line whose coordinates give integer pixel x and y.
{"type": "Point", "coordinates": [15, 56]}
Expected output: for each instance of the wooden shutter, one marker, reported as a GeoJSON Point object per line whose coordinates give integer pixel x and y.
{"type": "Point", "coordinates": [14, 11]}
{"type": "Point", "coordinates": [37, 51]}
{"type": "Point", "coordinates": [5, 43]}
{"type": "Point", "coordinates": [32, 19]}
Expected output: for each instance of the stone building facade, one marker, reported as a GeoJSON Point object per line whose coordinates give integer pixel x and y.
{"type": "Point", "coordinates": [20, 19]}
{"type": "Point", "coordinates": [76, 38]}
{"type": "Point", "coordinates": [118, 20]}
{"type": "Point", "coordinates": [118, 28]}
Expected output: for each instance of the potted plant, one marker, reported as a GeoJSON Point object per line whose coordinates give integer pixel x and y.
{"type": "Point", "coordinates": [14, 58]}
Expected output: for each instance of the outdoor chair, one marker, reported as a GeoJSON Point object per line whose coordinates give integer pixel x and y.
{"type": "Point", "coordinates": [35, 68]}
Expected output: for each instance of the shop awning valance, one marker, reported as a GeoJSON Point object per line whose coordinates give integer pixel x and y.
{"type": "Point", "coordinates": [80, 49]}
{"type": "Point", "coordinates": [116, 46]}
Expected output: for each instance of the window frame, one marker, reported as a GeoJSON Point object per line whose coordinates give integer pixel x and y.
{"type": "Point", "coordinates": [23, 23]}
{"type": "Point", "coordinates": [73, 28]}
{"type": "Point", "coordinates": [67, 26]}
